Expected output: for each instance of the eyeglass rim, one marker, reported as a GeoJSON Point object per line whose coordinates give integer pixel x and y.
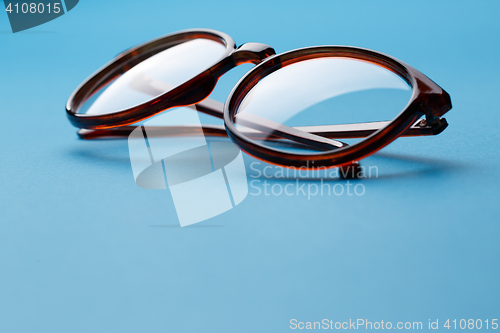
{"type": "Point", "coordinates": [427, 99]}
{"type": "Point", "coordinates": [120, 64]}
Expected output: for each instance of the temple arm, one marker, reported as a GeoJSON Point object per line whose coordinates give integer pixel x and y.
{"type": "Point", "coordinates": [261, 128]}
{"type": "Point", "coordinates": [347, 131]}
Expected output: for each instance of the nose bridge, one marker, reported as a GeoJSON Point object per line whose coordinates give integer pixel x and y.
{"type": "Point", "coordinates": [252, 53]}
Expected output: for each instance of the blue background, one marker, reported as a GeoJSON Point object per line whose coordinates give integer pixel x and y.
{"type": "Point", "coordinates": [83, 249]}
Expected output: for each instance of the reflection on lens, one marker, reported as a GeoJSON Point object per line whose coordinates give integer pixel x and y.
{"type": "Point", "coordinates": [316, 92]}
{"type": "Point", "coordinates": [156, 75]}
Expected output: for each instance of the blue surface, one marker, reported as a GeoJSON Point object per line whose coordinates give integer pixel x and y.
{"type": "Point", "coordinates": [83, 249]}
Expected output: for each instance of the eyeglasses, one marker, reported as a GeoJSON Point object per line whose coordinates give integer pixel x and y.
{"type": "Point", "coordinates": [273, 111]}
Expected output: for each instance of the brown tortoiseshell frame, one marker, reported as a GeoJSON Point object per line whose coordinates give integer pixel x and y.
{"type": "Point", "coordinates": [427, 99]}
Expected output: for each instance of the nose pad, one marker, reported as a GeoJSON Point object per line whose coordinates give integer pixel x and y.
{"type": "Point", "coordinates": [252, 53]}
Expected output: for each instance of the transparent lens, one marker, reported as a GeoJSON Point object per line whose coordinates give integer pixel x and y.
{"type": "Point", "coordinates": [155, 76]}
{"type": "Point", "coordinates": [318, 92]}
